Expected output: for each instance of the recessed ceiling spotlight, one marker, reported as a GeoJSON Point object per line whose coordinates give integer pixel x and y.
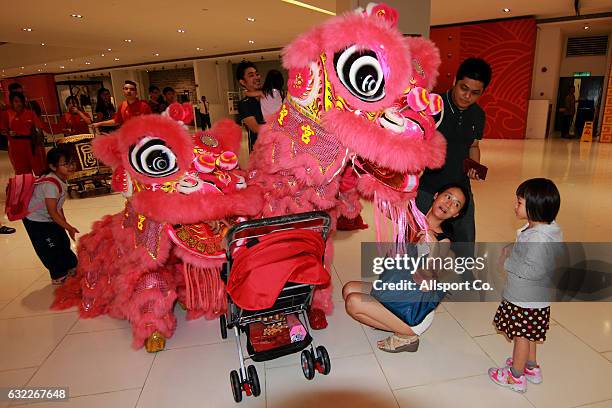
{"type": "Point", "coordinates": [586, 27]}
{"type": "Point", "coordinates": [180, 30]}
{"type": "Point", "coordinates": [43, 44]}
{"type": "Point", "coordinates": [102, 55]}
{"type": "Point", "coordinates": [109, 49]}
{"type": "Point", "coordinates": [45, 65]}
{"type": "Point", "coordinates": [76, 16]}
{"type": "Point", "coordinates": [62, 67]}
{"type": "Point", "coordinates": [128, 40]}
{"type": "Point", "coordinates": [39, 69]}
{"type": "Point", "coordinates": [506, 10]}
{"type": "Point", "coordinates": [251, 42]}
{"type": "Point", "coordinates": [71, 59]}
{"type": "Point", "coordinates": [27, 29]}
{"type": "Point", "coordinates": [156, 54]}
{"type": "Point", "coordinates": [251, 19]}
{"type": "Point", "coordinates": [198, 48]}
{"type": "Point", "coordinates": [22, 67]}
{"type": "Point", "coordinates": [116, 59]}
{"type": "Point", "coordinates": [87, 63]}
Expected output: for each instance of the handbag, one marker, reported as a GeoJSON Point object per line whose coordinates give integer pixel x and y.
{"type": "Point", "coordinates": [37, 138]}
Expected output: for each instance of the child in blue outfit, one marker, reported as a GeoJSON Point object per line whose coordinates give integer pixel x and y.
{"type": "Point", "coordinates": [524, 313]}
{"type": "Point", "coordinates": [46, 223]}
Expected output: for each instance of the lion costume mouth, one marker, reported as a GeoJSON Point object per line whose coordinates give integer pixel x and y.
{"type": "Point", "coordinates": [402, 182]}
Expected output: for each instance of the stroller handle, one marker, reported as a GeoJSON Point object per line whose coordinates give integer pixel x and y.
{"type": "Point", "coordinates": [283, 222]}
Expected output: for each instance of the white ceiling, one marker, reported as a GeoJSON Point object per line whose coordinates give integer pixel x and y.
{"type": "Point", "coordinates": [216, 27]}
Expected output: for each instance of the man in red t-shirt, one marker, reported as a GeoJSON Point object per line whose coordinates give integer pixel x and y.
{"type": "Point", "coordinates": [131, 107]}
{"type": "Point", "coordinates": [75, 121]}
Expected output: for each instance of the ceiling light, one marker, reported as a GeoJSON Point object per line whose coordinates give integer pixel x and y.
{"type": "Point", "coordinates": [586, 27]}
{"type": "Point", "coordinates": [109, 49]}
{"type": "Point", "coordinates": [116, 59]}
{"type": "Point", "coordinates": [251, 19]}
{"type": "Point", "coordinates": [102, 55]}
{"type": "Point", "coordinates": [76, 16]}
{"type": "Point", "coordinates": [27, 29]}
{"type": "Point", "coordinates": [71, 59]}
{"type": "Point", "coordinates": [62, 67]}
{"type": "Point", "coordinates": [43, 44]}
{"type": "Point", "coordinates": [198, 48]}
{"type": "Point", "coordinates": [251, 42]}
{"type": "Point", "coordinates": [506, 10]}
{"type": "Point", "coordinates": [156, 54]}
{"type": "Point", "coordinates": [87, 63]}
{"type": "Point", "coordinates": [39, 69]}
{"type": "Point", "coordinates": [22, 67]}
{"type": "Point", "coordinates": [309, 7]}
{"type": "Point", "coordinates": [180, 30]}
{"type": "Point", "coordinates": [128, 40]}
{"type": "Point", "coordinates": [45, 65]}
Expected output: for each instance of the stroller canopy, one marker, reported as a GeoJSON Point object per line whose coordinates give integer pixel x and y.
{"type": "Point", "coordinates": [260, 271]}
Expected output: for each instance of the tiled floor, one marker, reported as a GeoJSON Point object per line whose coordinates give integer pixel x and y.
{"type": "Point", "coordinates": [94, 358]}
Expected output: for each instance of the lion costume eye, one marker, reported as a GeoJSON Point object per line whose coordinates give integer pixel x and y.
{"type": "Point", "coordinates": [153, 158]}
{"type": "Point", "coordinates": [360, 72]}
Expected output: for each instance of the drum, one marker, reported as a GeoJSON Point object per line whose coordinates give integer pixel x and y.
{"type": "Point", "coordinates": [79, 146]}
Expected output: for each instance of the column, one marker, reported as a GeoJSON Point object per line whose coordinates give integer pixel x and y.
{"type": "Point", "coordinates": [212, 81]}
{"type": "Point", "coordinates": [414, 15]}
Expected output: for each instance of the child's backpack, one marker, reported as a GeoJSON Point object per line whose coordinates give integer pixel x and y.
{"type": "Point", "coordinates": [19, 192]}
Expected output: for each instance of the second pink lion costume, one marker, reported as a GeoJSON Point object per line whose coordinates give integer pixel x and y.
{"type": "Point", "coordinates": [357, 122]}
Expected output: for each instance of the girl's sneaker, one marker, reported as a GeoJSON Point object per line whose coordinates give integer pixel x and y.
{"type": "Point", "coordinates": [533, 375]}
{"type": "Point", "coordinates": [503, 376]}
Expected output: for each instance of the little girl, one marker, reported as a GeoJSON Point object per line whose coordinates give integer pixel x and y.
{"type": "Point", "coordinates": [524, 313]}
{"type": "Point", "coordinates": [46, 224]}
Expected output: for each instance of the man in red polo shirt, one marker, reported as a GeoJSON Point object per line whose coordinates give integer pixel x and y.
{"type": "Point", "coordinates": [18, 123]}
{"type": "Point", "coordinates": [131, 107]}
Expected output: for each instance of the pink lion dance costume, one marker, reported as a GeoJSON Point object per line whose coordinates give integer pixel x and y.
{"type": "Point", "coordinates": [357, 122]}
{"type": "Point", "coordinates": [166, 244]}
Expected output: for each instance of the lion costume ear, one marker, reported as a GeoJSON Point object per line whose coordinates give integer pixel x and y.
{"type": "Point", "coordinates": [106, 148]}
{"type": "Point", "coordinates": [425, 61]}
{"type": "Point", "coordinates": [229, 135]}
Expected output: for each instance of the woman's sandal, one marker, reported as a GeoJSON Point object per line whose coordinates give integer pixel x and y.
{"type": "Point", "coordinates": [397, 344]}
{"type": "Point", "coordinates": [59, 281]}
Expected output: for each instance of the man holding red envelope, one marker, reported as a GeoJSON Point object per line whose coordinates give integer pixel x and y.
{"type": "Point", "coordinates": [462, 125]}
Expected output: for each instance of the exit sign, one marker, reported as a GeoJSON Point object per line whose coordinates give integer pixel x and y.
{"type": "Point", "coordinates": [582, 74]}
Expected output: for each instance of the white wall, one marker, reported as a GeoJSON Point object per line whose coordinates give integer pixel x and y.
{"type": "Point", "coordinates": [595, 65]}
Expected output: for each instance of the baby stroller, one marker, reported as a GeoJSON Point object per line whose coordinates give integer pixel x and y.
{"type": "Point", "coordinates": [273, 266]}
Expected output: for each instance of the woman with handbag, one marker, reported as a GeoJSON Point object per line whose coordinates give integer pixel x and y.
{"type": "Point", "coordinates": [407, 313]}
{"type": "Point", "coordinates": [23, 128]}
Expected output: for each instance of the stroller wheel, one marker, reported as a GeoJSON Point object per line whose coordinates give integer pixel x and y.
{"type": "Point", "coordinates": [236, 386]}
{"type": "Point", "coordinates": [323, 364]}
{"type": "Point", "coordinates": [308, 364]}
{"type": "Point", "coordinates": [223, 325]}
{"type": "Point", "coordinates": [254, 380]}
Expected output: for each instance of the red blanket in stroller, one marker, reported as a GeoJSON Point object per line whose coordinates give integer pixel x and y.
{"type": "Point", "coordinates": [259, 273]}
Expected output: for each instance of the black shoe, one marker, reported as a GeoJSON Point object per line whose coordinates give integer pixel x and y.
{"type": "Point", "coordinates": [7, 230]}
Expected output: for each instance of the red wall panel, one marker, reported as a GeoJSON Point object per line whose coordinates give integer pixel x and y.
{"type": "Point", "coordinates": [36, 87]}
{"type": "Point", "coordinates": [509, 46]}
